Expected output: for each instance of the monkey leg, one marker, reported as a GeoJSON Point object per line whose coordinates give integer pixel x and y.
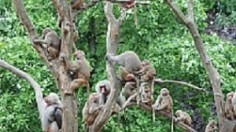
{"type": "Point", "coordinates": [53, 53]}
{"type": "Point", "coordinates": [77, 83]}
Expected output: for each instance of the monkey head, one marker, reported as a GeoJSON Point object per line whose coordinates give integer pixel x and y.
{"type": "Point", "coordinates": [145, 62]}
{"type": "Point", "coordinates": [212, 124]}
{"type": "Point", "coordinates": [229, 96]}
{"type": "Point", "coordinates": [79, 54]}
{"type": "Point", "coordinates": [103, 87]}
{"type": "Point", "coordinates": [164, 92]}
{"type": "Point", "coordinates": [52, 98]}
{"type": "Point", "coordinates": [128, 4]}
{"type": "Point", "coordinates": [177, 113]}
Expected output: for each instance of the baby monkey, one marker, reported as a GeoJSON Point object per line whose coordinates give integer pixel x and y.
{"type": "Point", "coordinates": [91, 109]}
{"type": "Point", "coordinates": [52, 41]}
{"type": "Point", "coordinates": [148, 72]}
{"type": "Point", "coordinates": [229, 109]}
{"type": "Point", "coordinates": [80, 71]}
{"type": "Point", "coordinates": [164, 101]}
{"type": "Point", "coordinates": [146, 94]}
{"type": "Point", "coordinates": [184, 117]}
{"type": "Point", "coordinates": [211, 126]}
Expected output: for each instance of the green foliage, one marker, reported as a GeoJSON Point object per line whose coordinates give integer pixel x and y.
{"type": "Point", "coordinates": [159, 36]}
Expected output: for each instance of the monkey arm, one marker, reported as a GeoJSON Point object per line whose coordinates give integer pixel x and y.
{"type": "Point", "coordinates": [157, 103]}
{"type": "Point", "coordinates": [162, 106]}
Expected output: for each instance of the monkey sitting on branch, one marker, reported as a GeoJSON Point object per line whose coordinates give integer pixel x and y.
{"type": "Point", "coordinates": [91, 109]}
{"type": "Point", "coordinates": [148, 72]}
{"type": "Point", "coordinates": [211, 126]}
{"type": "Point", "coordinates": [52, 41]}
{"type": "Point", "coordinates": [79, 71]}
{"type": "Point", "coordinates": [146, 94]}
{"type": "Point", "coordinates": [184, 117]}
{"type": "Point", "coordinates": [229, 108]}
{"type": "Point", "coordinates": [129, 89]}
{"type": "Point", "coordinates": [164, 101]}
{"type": "Point", "coordinates": [52, 114]}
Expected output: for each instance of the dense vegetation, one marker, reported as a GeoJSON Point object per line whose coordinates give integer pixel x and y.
{"type": "Point", "coordinates": [158, 36]}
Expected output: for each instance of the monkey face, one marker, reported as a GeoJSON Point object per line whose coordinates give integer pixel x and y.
{"type": "Point", "coordinates": [79, 54]}
{"type": "Point", "coordinates": [164, 92]}
{"type": "Point", "coordinates": [103, 90]}
{"type": "Point", "coordinates": [230, 96]}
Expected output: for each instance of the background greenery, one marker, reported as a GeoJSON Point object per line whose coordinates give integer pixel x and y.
{"type": "Point", "coordinates": [158, 36]}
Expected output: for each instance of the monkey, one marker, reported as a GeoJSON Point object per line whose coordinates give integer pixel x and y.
{"type": "Point", "coordinates": [184, 117]}
{"type": "Point", "coordinates": [53, 42]}
{"type": "Point", "coordinates": [92, 108]}
{"type": "Point", "coordinates": [77, 4]}
{"type": "Point", "coordinates": [146, 94]}
{"type": "Point", "coordinates": [79, 71]}
{"type": "Point", "coordinates": [211, 126]}
{"type": "Point", "coordinates": [164, 101]}
{"type": "Point", "coordinates": [104, 88]}
{"type": "Point", "coordinates": [229, 109]}
{"type": "Point", "coordinates": [129, 89]}
{"type": "Point", "coordinates": [148, 72]}
{"type": "Point", "coordinates": [128, 59]}
{"type": "Point", "coordinates": [234, 102]}
{"type": "Point", "coordinates": [124, 75]}
{"type": "Point", "coordinates": [52, 114]}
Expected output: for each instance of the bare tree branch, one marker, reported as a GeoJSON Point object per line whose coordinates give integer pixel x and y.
{"type": "Point", "coordinates": [177, 11]}
{"type": "Point", "coordinates": [179, 82]}
{"type": "Point", "coordinates": [190, 10]}
{"type": "Point", "coordinates": [37, 90]}
{"type": "Point", "coordinates": [28, 25]}
{"type": "Point", "coordinates": [210, 69]}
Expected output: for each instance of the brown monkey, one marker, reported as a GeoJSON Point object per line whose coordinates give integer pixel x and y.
{"type": "Point", "coordinates": [92, 108]}
{"type": "Point", "coordinates": [52, 114]}
{"type": "Point", "coordinates": [146, 94]}
{"type": "Point", "coordinates": [124, 75]}
{"type": "Point", "coordinates": [128, 59]}
{"type": "Point", "coordinates": [53, 42]}
{"type": "Point", "coordinates": [129, 89]}
{"type": "Point", "coordinates": [211, 126]}
{"type": "Point", "coordinates": [80, 71]}
{"type": "Point", "coordinates": [164, 101]}
{"type": "Point", "coordinates": [77, 4]}
{"type": "Point", "coordinates": [184, 117]}
{"type": "Point", "coordinates": [229, 109]}
{"type": "Point", "coordinates": [148, 72]}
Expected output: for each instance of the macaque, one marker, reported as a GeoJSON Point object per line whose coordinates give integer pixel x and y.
{"type": "Point", "coordinates": [53, 42]}
{"type": "Point", "coordinates": [234, 102]}
{"type": "Point", "coordinates": [104, 88]}
{"type": "Point", "coordinates": [129, 89]}
{"type": "Point", "coordinates": [164, 101]}
{"type": "Point", "coordinates": [211, 126]}
{"type": "Point", "coordinates": [184, 117]}
{"type": "Point", "coordinates": [128, 59]}
{"type": "Point", "coordinates": [124, 75]}
{"type": "Point", "coordinates": [52, 114]}
{"type": "Point", "coordinates": [148, 72]}
{"type": "Point", "coordinates": [128, 4]}
{"type": "Point", "coordinates": [77, 4]}
{"type": "Point", "coordinates": [80, 71]}
{"type": "Point", "coordinates": [229, 109]}
{"type": "Point", "coordinates": [92, 108]}
{"type": "Point", "coordinates": [146, 94]}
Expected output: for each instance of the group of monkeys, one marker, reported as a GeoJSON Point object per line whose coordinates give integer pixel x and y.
{"type": "Point", "coordinates": [138, 79]}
